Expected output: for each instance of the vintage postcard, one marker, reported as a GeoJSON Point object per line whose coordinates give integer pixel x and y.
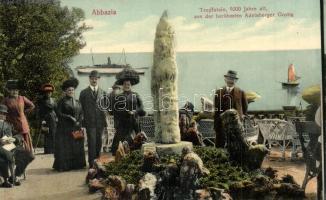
{"type": "Point", "coordinates": [161, 100]}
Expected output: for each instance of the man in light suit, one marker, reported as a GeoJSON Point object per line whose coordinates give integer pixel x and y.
{"type": "Point", "coordinates": [94, 117]}
{"type": "Point", "coordinates": [226, 98]}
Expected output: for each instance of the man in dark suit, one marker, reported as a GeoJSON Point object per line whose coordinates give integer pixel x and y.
{"type": "Point", "coordinates": [94, 117]}
{"type": "Point", "coordinates": [226, 98]}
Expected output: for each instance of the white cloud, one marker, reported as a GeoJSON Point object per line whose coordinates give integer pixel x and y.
{"type": "Point", "coordinates": [180, 24]}
{"type": "Point", "coordinates": [95, 23]}
{"type": "Point", "coordinates": [264, 22]}
{"type": "Point", "coordinates": [134, 36]}
{"type": "Point", "coordinates": [264, 34]}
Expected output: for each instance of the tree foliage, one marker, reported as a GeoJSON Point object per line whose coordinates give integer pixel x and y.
{"type": "Point", "coordinates": [37, 41]}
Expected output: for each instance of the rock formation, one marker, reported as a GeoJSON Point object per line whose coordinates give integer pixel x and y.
{"type": "Point", "coordinates": [244, 154]}
{"type": "Point", "coordinates": [164, 84]}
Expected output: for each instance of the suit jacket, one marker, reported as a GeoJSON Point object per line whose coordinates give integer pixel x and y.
{"type": "Point", "coordinates": [223, 101]}
{"type": "Point", "coordinates": [5, 129]}
{"type": "Point", "coordinates": [94, 117]}
{"type": "Point", "coordinates": [236, 99]}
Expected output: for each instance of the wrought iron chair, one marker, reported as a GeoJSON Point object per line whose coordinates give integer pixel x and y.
{"type": "Point", "coordinates": [110, 131]}
{"type": "Point", "coordinates": [275, 131]}
{"type": "Point", "coordinates": [309, 147]}
{"type": "Point", "coordinates": [148, 126]}
{"type": "Point", "coordinates": [206, 128]}
{"type": "Point", "coordinates": [295, 141]}
{"type": "Point", "coordinates": [251, 130]}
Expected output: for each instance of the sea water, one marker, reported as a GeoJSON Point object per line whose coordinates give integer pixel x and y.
{"type": "Point", "coordinates": [200, 73]}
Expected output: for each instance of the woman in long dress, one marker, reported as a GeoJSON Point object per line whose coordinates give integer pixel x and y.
{"type": "Point", "coordinates": [17, 107]}
{"type": "Point", "coordinates": [47, 117]}
{"type": "Point", "coordinates": [128, 106]}
{"type": "Point", "coordinates": [69, 152]}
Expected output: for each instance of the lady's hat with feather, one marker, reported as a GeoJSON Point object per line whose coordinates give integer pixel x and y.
{"type": "Point", "coordinates": [71, 82]}
{"type": "Point", "coordinates": [47, 87]}
{"type": "Point", "coordinates": [127, 74]}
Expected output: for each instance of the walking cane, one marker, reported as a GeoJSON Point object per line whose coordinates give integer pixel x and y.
{"type": "Point", "coordinates": [38, 139]}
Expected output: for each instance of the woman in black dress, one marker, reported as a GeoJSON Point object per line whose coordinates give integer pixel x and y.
{"type": "Point", "coordinates": [46, 112]}
{"type": "Point", "coordinates": [69, 152]}
{"type": "Point", "coordinates": [128, 106]}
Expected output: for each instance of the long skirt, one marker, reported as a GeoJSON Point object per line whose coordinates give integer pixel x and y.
{"type": "Point", "coordinates": [124, 131]}
{"type": "Point", "coordinates": [50, 135]}
{"type": "Point", "coordinates": [69, 153]}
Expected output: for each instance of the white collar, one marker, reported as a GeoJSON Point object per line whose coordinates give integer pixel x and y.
{"type": "Point", "coordinates": [94, 87]}
{"type": "Point", "coordinates": [229, 88]}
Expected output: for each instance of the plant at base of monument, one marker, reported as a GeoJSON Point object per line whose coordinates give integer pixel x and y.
{"type": "Point", "coordinates": [222, 175]}
{"type": "Point", "coordinates": [129, 168]}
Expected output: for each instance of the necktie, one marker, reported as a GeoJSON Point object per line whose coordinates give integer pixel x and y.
{"type": "Point", "coordinates": [94, 91]}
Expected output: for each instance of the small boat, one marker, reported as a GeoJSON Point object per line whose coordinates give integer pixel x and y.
{"type": "Point", "coordinates": [292, 78]}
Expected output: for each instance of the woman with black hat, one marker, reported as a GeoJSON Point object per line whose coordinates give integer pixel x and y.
{"type": "Point", "coordinates": [128, 106]}
{"type": "Point", "coordinates": [47, 117]}
{"type": "Point", "coordinates": [69, 151]}
{"type": "Point", "coordinates": [17, 107]}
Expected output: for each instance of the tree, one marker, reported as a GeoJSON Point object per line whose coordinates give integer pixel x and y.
{"type": "Point", "coordinates": [37, 41]}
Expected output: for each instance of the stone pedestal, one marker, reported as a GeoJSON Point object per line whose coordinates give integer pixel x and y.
{"type": "Point", "coordinates": [163, 149]}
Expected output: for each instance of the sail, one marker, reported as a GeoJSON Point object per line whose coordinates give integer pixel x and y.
{"type": "Point", "coordinates": [291, 74]}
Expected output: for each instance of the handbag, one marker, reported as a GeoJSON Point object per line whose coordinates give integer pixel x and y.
{"type": "Point", "coordinates": [78, 134]}
{"type": "Point", "coordinates": [44, 128]}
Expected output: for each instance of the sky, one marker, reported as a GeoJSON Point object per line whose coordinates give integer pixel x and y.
{"type": "Point", "coordinates": [133, 26]}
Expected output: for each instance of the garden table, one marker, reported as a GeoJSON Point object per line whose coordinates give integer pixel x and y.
{"type": "Point", "coordinates": [276, 131]}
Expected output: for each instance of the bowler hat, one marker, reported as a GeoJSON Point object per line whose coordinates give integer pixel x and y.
{"type": "Point", "coordinates": [13, 84]}
{"type": "Point", "coordinates": [94, 73]}
{"type": "Point", "coordinates": [47, 87]}
{"type": "Point", "coordinates": [3, 108]}
{"type": "Point", "coordinates": [231, 74]}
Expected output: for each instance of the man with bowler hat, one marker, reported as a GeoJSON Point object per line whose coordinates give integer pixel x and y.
{"type": "Point", "coordinates": [13, 158]}
{"type": "Point", "coordinates": [6, 156]}
{"type": "Point", "coordinates": [94, 117]}
{"type": "Point", "coordinates": [228, 97]}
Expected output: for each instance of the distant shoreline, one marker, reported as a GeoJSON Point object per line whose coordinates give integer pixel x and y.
{"type": "Point", "coordinates": [280, 50]}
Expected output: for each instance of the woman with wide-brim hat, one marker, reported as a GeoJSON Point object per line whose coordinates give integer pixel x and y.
{"type": "Point", "coordinates": [69, 152]}
{"type": "Point", "coordinates": [46, 106]}
{"type": "Point", "coordinates": [18, 106]}
{"type": "Point", "coordinates": [128, 107]}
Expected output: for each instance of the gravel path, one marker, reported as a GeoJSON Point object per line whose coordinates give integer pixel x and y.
{"type": "Point", "coordinates": [43, 183]}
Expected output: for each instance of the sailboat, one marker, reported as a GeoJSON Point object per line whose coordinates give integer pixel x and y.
{"type": "Point", "coordinates": [292, 88]}
{"type": "Point", "coordinates": [292, 78]}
